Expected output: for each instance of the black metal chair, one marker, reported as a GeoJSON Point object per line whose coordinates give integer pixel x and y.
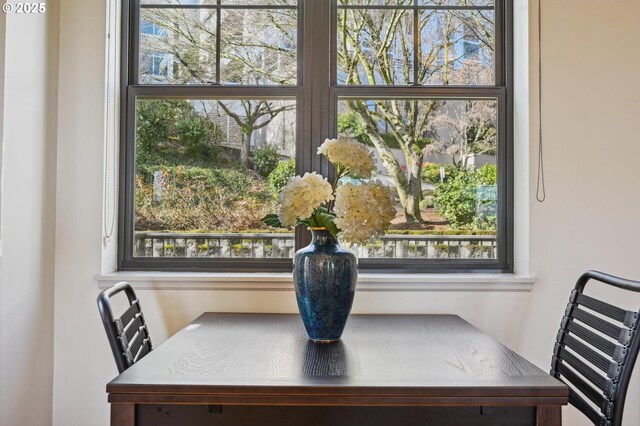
{"type": "Point", "coordinates": [596, 349]}
{"type": "Point", "coordinates": [128, 334]}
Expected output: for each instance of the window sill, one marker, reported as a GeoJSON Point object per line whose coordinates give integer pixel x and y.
{"type": "Point", "coordinates": [283, 281]}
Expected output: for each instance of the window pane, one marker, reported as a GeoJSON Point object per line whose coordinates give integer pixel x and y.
{"type": "Point", "coordinates": [375, 2]}
{"type": "Point", "coordinates": [179, 2]}
{"type": "Point", "coordinates": [261, 2]}
{"type": "Point", "coordinates": [439, 159]}
{"type": "Point", "coordinates": [259, 46]}
{"type": "Point", "coordinates": [185, 38]}
{"type": "Point", "coordinates": [457, 47]}
{"type": "Point", "coordinates": [375, 46]}
{"type": "Point", "coordinates": [224, 2]}
{"type": "Point", "coordinates": [456, 2]}
{"type": "Point", "coordinates": [207, 172]}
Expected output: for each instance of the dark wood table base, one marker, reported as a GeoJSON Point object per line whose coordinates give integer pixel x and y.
{"type": "Point", "coordinates": [201, 415]}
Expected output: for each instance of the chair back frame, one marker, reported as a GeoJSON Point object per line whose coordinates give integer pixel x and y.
{"type": "Point", "coordinates": [128, 334]}
{"type": "Point", "coordinates": [605, 386]}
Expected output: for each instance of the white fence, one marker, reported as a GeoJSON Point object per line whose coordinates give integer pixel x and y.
{"type": "Point", "coordinates": [281, 245]}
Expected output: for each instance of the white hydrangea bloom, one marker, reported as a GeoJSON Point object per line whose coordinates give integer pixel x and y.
{"type": "Point", "coordinates": [349, 153]}
{"type": "Point", "coordinates": [302, 196]}
{"type": "Point", "coordinates": [363, 211]}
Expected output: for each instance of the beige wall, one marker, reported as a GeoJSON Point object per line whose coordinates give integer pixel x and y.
{"type": "Point", "coordinates": [28, 228]}
{"type": "Point", "coordinates": [591, 112]}
{"type": "Point", "coordinates": [81, 369]}
{"type": "Point", "coordinates": [589, 221]}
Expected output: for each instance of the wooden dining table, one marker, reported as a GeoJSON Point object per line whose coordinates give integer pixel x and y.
{"type": "Point", "coordinates": [260, 369]}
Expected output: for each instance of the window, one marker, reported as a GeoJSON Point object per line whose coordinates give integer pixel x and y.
{"type": "Point", "coordinates": [156, 65]}
{"type": "Point", "coordinates": [152, 29]}
{"type": "Point", "coordinates": [227, 99]}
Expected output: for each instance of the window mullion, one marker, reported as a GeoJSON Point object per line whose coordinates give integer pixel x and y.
{"type": "Point", "coordinates": [218, 41]}
{"type": "Point", "coordinates": [133, 59]}
{"type": "Point", "coordinates": [321, 78]}
{"type": "Point", "coordinates": [313, 100]}
{"type": "Point", "coordinates": [500, 51]}
{"type": "Point", "coordinates": [416, 44]}
{"type": "Point", "coordinates": [381, 92]}
{"type": "Point", "coordinates": [216, 92]}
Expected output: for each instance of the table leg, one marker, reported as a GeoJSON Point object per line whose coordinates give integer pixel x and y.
{"type": "Point", "coordinates": [547, 415]}
{"type": "Point", "coordinates": [123, 414]}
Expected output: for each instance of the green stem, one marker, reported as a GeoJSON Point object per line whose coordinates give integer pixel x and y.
{"type": "Point", "coordinates": [340, 173]}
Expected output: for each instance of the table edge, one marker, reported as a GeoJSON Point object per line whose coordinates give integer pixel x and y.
{"type": "Point", "coordinates": [557, 389]}
{"type": "Point", "coordinates": [336, 400]}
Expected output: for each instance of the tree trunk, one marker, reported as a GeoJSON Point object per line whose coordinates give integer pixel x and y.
{"type": "Point", "coordinates": [409, 187]}
{"type": "Point", "coordinates": [245, 149]}
{"type": "Point", "coordinates": [414, 189]}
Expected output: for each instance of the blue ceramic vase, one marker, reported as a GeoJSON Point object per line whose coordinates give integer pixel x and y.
{"type": "Point", "coordinates": [324, 276]}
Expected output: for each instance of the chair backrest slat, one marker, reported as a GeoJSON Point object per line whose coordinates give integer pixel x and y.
{"type": "Point", "coordinates": [132, 352]}
{"type": "Point", "coordinates": [586, 352]}
{"type": "Point", "coordinates": [123, 321]}
{"type": "Point", "coordinates": [136, 325]}
{"type": "Point", "coordinates": [599, 324]}
{"type": "Point", "coordinates": [604, 308]}
{"type": "Point", "coordinates": [128, 334]}
{"type": "Point", "coordinates": [588, 410]}
{"type": "Point", "coordinates": [595, 351]}
{"type": "Point", "coordinates": [599, 342]}
{"type": "Point", "coordinates": [587, 372]}
{"type": "Point", "coordinates": [146, 348]}
{"type": "Point", "coordinates": [586, 389]}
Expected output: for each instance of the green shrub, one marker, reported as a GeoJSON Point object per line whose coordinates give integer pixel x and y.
{"type": "Point", "coordinates": [375, 245]}
{"type": "Point", "coordinates": [390, 140]}
{"type": "Point", "coordinates": [280, 176]}
{"type": "Point", "coordinates": [468, 200]}
{"type": "Point", "coordinates": [235, 181]}
{"type": "Point", "coordinates": [479, 250]}
{"type": "Point", "coordinates": [440, 232]}
{"type": "Point", "coordinates": [266, 159]}
{"type": "Point", "coordinates": [350, 125]}
{"type": "Point", "coordinates": [431, 172]}
{"type": "Point", "coordinates": [240, 249]}
{"type": "Point", "coordinates": [445, 250]}
{"type": "Point", "coordinates": [173, 132]}
{"type": "Point", "coordinates": [427, 202]}
{"type": "Point", "coordinates": [199, 198]}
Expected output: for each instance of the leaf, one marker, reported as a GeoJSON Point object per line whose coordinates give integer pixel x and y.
{"type": "Point", "coordinates": [327, 220]}
{"type": "Point", "coordinates": [324, 210]}
{"type": "Point", "coordinates": [272, 220]}
{"type": "Point", "coordinates": [304, 222]}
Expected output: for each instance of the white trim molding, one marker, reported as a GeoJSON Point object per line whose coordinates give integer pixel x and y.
{"type": "Point", "coordinates": [284, 281]}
